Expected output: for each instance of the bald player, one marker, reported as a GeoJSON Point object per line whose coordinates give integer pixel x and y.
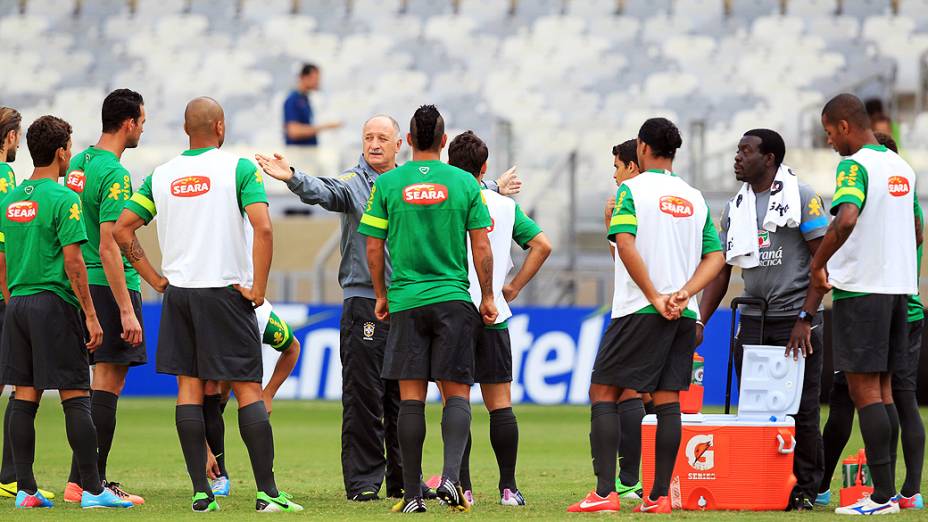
{"type": "Point", "coordinates": [209, 330]}
{"type": "Point", "coordinates": [868, 259]}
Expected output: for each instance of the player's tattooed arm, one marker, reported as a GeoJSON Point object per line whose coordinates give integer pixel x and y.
{"type": "Point", "coordinates": [77, 274]}
{"type": "Point", "coordinates": [124, 234]}
{"type": "Point", "coordinates": [483, 264]}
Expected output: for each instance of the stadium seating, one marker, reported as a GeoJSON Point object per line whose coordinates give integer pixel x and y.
{"type": "Point", "coordinates": [538, 78]}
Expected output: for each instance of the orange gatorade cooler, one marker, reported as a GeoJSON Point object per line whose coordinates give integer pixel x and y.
{"type": "Point", "coordinates": [743, 461]}
{"type": "Point", "coordinates": [856, 476]}
{"type": "Point", "coordinates": [691, 400]}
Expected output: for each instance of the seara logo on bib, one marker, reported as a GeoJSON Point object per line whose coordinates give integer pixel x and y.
{"type": "Point", "coordinates": [425, 193]}
{"type": "Point", "coordinates": [22, 211]}
{"type": "Point", "coordinates": [75, 180]}
{"type": "Point", "coordinates": [190, 186]}
{"type": "Point", "coordinates": [898, 186]}
{"type": "Point", "coordinates": [676, 206]}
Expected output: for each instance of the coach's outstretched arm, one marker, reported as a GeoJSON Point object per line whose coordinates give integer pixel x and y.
{"type": "Point", "coordinates": [483, 264]}
{"type": "Point", "coordinates": [124, 233]}
{"type": "Point", "coordinates": [375, 263]}
{"type": "Point", "coordinates": [638, 271]}
{"type": "Point", "coordinates": [331, 194]}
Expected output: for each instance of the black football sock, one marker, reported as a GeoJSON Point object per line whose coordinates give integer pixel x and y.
{"type": "Point", "coordinates": [893, 436]}
{"type": "Point", "coordinates": [504, 437]}
{"type": "Point", "coordinates": [604, 439]}
{"type": "Point", "coordinates": [649, 408]}
{"type": "Point", "coordinates": [82, 436]}
{"type": "Point", "coordinates": [837, 431]}
{"type": "Point", "coordinates": [465, 466]}
{"type": "Point", "coordinates": [75, 474]}
{"type": "Point", "coordinates": [410, 430]}
{"type": "Point", "coordinates": [876, 431]}
{"type": "Point", "coordinates": [103, 411]}
{"type": "Point", "coordinates": [192, 433]}
{"type": "Point", "coordinates": [630, 412]}
{"type": "Point", "coordinates": [8, 468]}
{"type": "Point", "coordinates": [255, 428]}
{"type": "Point", "coordinates": [913, 440]}
{"type": "Point", "coordinates": [666, 445]}
{"type": "Point", "coordinates": [455, 431]}
{"type": "Point", "coordinates": [22, 429]}
{"type": "Point", "coordinates": [215, 430]}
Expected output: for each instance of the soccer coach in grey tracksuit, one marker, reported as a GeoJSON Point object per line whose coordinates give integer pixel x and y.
{"type": "Point", "coordinates": [369, 404]}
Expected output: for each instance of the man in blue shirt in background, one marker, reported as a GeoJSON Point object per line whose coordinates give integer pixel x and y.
{"type": "Point", "coordinates": [299, 127]}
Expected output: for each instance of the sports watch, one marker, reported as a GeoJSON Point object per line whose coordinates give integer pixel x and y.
{"type": "Point", "coordinates": [806, 316]}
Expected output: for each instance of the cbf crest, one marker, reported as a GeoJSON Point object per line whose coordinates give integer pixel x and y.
{"type": "Point", "coordinates": [368, 331]}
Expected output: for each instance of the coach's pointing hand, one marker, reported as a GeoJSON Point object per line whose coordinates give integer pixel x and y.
{"type": "Point", "coordinates": [509, 183]}
{"type": "Point", "coordinates": [277, 167]}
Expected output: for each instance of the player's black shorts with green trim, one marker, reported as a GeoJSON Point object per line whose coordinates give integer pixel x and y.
{"type": "Point", "coordinates": [43, 344]}
{"type": "Point", "coordinates": [645, 352]}
{"type": "Point", "coordinates": [870, 333]}
{"type": "Point", "coordinates": [209, 333]}
{"type": "Point", "coordinates": [433, 342]}
{"type": "Point", "coordinates": [277, 334]}
{"type": "Point", "coordinates": [493, 356]}
{"type": "Point", "coordinates": [114, 350]}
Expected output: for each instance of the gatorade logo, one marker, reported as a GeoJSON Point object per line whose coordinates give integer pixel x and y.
{"type": "Point", "coordinates": [676, 206]}
{"type": "Point", "coordinates": [700, 452]}
{"type": "Point", "coordinates": [75, 180]}
{"type": "Point", "coordinates": [425, 193]}
{"type": "Point", "coordinates": [190, 186]}
{"type": "Point", "coordinates": [22, 211]}
{"type": "Point", "coordinates": [898, 186]}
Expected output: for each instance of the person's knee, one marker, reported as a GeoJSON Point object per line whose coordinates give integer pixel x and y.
{"type": "Point", "coordinates": [109, 377]}
{"type": "Point", "coordinates": [604, 393]}
{"type": "Point", "coordinates": [628, 394]}
{"type": "Point", "coordinates": [455, 389]}
{"type": "Point", "coordinates": [665, 397]}
{"type": "Point", "coordinates": [247, 393]}
{"type": "Point", "coordinates": [413, 390]}
{"type": "Point", "coordinates": [28, 393]}
{"type": "Point", "coordinates": [189, 390]}
{"type": "Point", "coordinates": [211, 388]}
{"type": "Point", "coordinates": [66, 395]}
{"type": "Point", "coordinates": [496, 396]}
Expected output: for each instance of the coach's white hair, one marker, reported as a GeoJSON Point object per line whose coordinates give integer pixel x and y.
{"type": "Point", "coordinates": [396, 126]}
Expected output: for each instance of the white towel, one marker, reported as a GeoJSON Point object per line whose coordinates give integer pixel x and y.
{"type": "Point", "coordinates": [784, 209]}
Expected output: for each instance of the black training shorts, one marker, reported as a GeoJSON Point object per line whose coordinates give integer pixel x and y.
{"type": "Point", "coordinates": [646, 353]}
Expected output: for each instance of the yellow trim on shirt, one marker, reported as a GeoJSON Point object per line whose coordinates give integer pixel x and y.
{"type": "Point", "coordinates": [374, 221]}
{"type": "Point", "coordinates": [850, 191]}
{"type": "Point", "coordinates": [146, 203]}
{"type": "Point", "coordinates": [623, 219]}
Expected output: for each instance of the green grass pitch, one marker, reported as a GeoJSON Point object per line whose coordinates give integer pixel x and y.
{"type": "Point", "coordinates": [554, 466]}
